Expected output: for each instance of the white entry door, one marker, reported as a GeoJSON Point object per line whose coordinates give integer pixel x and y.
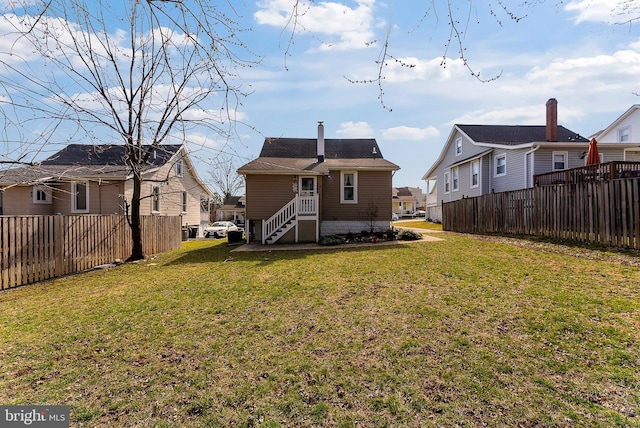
{"type": "Point", "coordinates": [307, 186]}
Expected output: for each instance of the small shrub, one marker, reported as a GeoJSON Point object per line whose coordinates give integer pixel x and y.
{"type": "Point", "coordinates": [390, 234]}
{"type": "Point", "coordinates": [410, 235]}
{"type": "Point", "coordinates": [332, 240]}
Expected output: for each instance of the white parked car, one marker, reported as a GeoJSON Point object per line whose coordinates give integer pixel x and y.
{"type": "Point", "coordinates": [394, 217]}
{"type": "Point", "coordinates": [219, 229]}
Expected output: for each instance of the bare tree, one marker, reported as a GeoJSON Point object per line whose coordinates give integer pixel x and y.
{"type": "Point", "coordinates": [138, 72]}
{"type": "Point", "coordinates": [225, 179]}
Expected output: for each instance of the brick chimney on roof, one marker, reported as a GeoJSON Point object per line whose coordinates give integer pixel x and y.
{"type": "Point", "coordinates": [552, 120]}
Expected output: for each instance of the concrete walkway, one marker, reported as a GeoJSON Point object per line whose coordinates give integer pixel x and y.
{"type": "Point", "coordinates": [426, 237]}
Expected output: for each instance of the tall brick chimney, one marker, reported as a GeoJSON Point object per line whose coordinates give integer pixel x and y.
{"type": "Point", "coordinates": [552, 120]}
{"type": "Point", "coordinates": [320, 146]}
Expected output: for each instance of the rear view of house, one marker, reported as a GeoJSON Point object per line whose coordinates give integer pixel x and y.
{"type": "Point", "coordinates": [300, 189]}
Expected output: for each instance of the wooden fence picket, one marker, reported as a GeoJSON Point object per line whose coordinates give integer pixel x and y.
{"type": "Point", "coordinates": [36, 248]}
{"type": "Point", "coordinates": [604, 212]}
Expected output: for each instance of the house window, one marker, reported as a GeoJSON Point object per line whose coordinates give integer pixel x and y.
{"type": "Point", "coordinates": [349, 185]}
{"type": "Point", "coordinates": [179, 168]}
{"type": "Point", "coordinates": [155, 199]}
{"type": "Point", "coordinates": [458, 146]}
{"type": "Point", "coordinates": [204, 204]}
{"type": "Point", "coordinates": [560, 160]}
{"type": "Point", "coordinates": [184, 201]}
{"type": "Point", "coordinates": [447, 182]}
{"type": "Point", "coordinates": [80, 199]}
{"type": "Point", "coordinates": [455, 173]}
{"type": "Point", "coordinates": [475, 173]}
{"type": "Point", "coordinates": [624, 135]}
{"type": "Point", "coordinates": [41, 196]}
{"type": "Point", "coordinates": [501, 165]}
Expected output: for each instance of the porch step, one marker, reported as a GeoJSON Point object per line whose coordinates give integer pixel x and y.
{"type": "Point", "coordinates": [280, 232]}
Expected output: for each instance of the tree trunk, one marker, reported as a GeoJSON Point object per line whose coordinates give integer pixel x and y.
{"type": "Point", "coordinates": [136, 231]}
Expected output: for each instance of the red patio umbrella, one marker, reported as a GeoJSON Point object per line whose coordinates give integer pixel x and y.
{"type": "Point", "coordinates": [593, 157]}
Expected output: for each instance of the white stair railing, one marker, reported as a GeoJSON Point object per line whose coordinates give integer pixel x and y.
{"type": "Point", "coordinates": [308, 205]}
{"type": "Point", "coordinates": [279, 219]}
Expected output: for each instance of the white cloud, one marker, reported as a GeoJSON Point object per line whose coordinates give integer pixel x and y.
{"type": "Point", "coordinates": [355, 130]}
{"type": "Point", "coordinates": [601, 71]}
{"type": "Point", "coordinates": [608, 11]}
{"type": "Point", "coordinates": [336, 25]}
{"type": "Point", "coordinates": [198, 141]}
{"type": "Point", "coordinates": [409, 133]}
{"type": "Point", "coordinates": [409, 69]}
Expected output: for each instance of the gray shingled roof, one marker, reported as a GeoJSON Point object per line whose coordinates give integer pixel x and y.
{"type": "Point", "coordinates": [106, 154]}
{"type": "Point", "coordinates": [106, 161]}
{"type": "Point", "coordinates": [338, 148]}
{"type": "Point", "coordinates": [513, 135]}
{"type": "Point", "coordinates": [293, 155]}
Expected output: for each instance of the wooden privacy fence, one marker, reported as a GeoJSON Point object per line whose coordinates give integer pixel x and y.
{"type": "Point", "coordinates": [603, 212]}
{"type": "Point", "coordinates": [35, 248]}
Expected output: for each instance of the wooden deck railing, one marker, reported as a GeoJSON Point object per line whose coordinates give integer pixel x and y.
{"type": "Point", "coordinates": [589, 173]}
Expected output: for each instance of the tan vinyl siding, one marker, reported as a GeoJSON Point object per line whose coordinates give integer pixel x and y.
{"type": "Point", "coordinates": [374, 191]}
{"type": "Point", "coordinates": [19, 201]}
{"type": "Point", "coordinates": [266, 194]}
{"type": "Point", "coordinates": [110, 199]}
{"type": "Point", "coordinates": [171, 193]}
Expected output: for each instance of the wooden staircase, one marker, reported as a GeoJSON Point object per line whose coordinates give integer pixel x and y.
{"type": "Point", "coordinates": [276, 226]}
{"type": "Point", "coordinates": [286, 219]}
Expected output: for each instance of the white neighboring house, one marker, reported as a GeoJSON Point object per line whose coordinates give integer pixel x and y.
{"type": "Point", "coordinates": [620, 141]}
{"type": "Point", "coordinates": [480, 159]}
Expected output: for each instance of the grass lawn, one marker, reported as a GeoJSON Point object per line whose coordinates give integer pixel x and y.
{"type": "Point", "coordinates": [418, 224]}
{"type": "Point", "coordinates": [461, 332]}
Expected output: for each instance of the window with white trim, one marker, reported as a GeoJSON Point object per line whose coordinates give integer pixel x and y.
{"type": "Point", "coordinates": [447, 182]}
{"type": "Point", "coordinates": [349, 187]}
{"type": "Point", "coordinates": [179, 168]}
{"type": "Point", "coordinates": [155, 199]}
{"type": "Point", "coordinates": [185, 197]}
{"type": "Point", "coordinates": [80, 198]}
{"type": "Point", "coordinates": [455, 174]}
{"type": "Point", "coordinates": [41, 195]}
{"type": "Point", "coordinates": [475, 173]}
{"type": "Point", "coordinates": [501, 165]}
{"type": "Point", "coordinates": [560, 160]}
{"type": "Point", "coordinates": [458, 146]}
{"type": "Point", "coordinates": [624, 134]}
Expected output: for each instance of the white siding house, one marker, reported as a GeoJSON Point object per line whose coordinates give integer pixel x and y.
{"type": "Point", "coordinates": [479, 159]}
{"type": "Point", "coordinates": [620, 141]}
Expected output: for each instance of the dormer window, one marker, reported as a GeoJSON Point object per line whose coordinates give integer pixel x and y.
{"type": "Point", "coordinates": [624, 135]}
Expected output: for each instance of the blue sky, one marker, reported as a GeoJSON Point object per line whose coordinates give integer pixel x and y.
{"type": "Point", "coordinates": [584, 53]}
{"type": "Point", "coordinates": [579, 52]}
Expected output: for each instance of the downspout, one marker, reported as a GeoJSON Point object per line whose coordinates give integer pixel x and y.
{"type": "Point", "coordinates": [525, 165]}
